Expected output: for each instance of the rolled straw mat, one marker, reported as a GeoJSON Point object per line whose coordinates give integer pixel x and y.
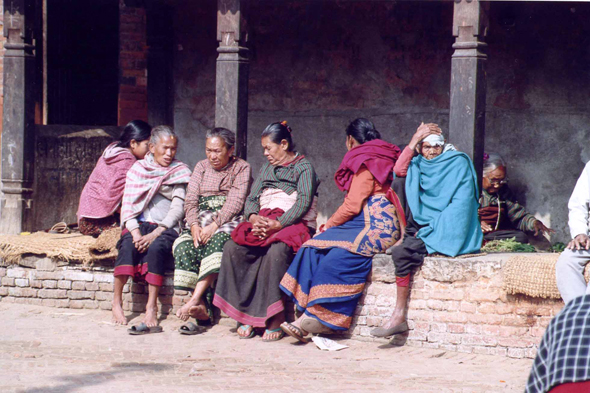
{"type": "Point", "coordinates": [63, 246]}
{"type": "Point", "coordinates": [105, 246]}
{"type": "Point", "coordinates": [533, 275]}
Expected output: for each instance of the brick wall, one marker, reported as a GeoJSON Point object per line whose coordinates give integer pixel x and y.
{"type": "Point", "coordinates": [456, 304]}
{"type": "Point", "coordinates": [132, 64]}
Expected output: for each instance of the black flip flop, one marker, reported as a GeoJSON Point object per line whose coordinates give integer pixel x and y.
{"type": "Point", "coordinates": [190, 329]}
{"type": "Point", "coordinates": [142, 328]}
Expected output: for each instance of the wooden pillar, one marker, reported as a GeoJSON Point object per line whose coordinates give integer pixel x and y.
{"type": "Point", "coordinates": [18, 138]}
{"type": "Point", "coordinates": [468, 79]}
{"type": "Point", "coordinates": [231, 94]}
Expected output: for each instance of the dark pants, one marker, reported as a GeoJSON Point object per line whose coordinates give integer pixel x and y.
{"type": "Point", "coordinates": [398, 185]}
{"type": "Point", "coordinates": [150, 265]}
{"type": "Point", "coordinates": [519, 236]}
{"type": "Point", "coordinates": [409, 255]}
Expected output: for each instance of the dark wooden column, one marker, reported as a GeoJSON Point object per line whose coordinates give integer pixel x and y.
{"type": "Point", "coordinates": [231, 95]}
{"type": "Point", "coordinates": [18, 139]}
{"type": "Point", "coordinates": [468, 79]}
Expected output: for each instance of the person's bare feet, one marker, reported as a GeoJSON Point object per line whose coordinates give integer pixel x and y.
{"type": "Point", "coordinates": [199, 312]}
{"type": "Point", "coordinates": [184, 311]}
{"type": "Point", "coordinates": [151, 317]}
{"type": "Point", "coordinates": [118, 314]}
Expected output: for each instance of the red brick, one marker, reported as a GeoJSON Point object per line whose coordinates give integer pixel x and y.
{"type": "Point", "coordinates": [489, 295]}
{"type": "Point", "coordinates": [78, 285]}
{"type": "Point", "coordinates": [504, 308]}
{"type": "Point", "coordinates": [518, 320]}
{"type": "Point", "coordinates": [106, 287]}
{"type": "Point", "coordinates": [473, 329]}
{"type": "Point", "coordinates": [3, 291]}
{"type": "Point", "coordinates": [512, 331]}
{"type": "Point", "coordinates": [519, 342]}
{"type": "Point", "coordinates": [490, 330]}
{"type": "Point", "coordinates": [438, 327]}
{"type": "Point", "coordinates": [517, 353]}
{"type": "Point", "coordinates": [22, 292]}
{"type": "Point", "coordinates": [538, 331]}
{"type": "Point", "coordinates": [470, 339]}
{"type": "Point", "coordinates": [450, 294]}
{"type": "Point", "coordinates": [453, 338]}
{"type": "Point", "coordinates": [52, 293]}
{"type": "Point", "coordinates": [7, 281]}
{"type": "Point", "coordinates": [91, 286]}
{"type": "Point", "coordinates": [468, 307]}
{"type": "Point", "coordinates": [454, 317]}
{"type": "Point", "coordinates": [456, 328]}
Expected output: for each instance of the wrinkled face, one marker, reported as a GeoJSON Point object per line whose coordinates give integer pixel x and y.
{"type": "Point", "coordinates": [165, 150]}
{"type": "Point", "coordinates": [429, 152]}
{"type": "Point", "coordinates": [217, 152]}
{"type": "Point", "coordinates": [494, 180]}
{"type": "Point", "coordinates": [139, 149]}
{"type": "Point", "coordinates": [275, 153]}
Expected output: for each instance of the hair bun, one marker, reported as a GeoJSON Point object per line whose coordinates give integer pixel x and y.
{"type": "Point", "coordinates": [284, 124]}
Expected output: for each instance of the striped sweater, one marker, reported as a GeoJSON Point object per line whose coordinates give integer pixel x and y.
{"type": "Point", "coordinates": [516, 213]}
{"type": "Point", "coordinates": [298, 176]}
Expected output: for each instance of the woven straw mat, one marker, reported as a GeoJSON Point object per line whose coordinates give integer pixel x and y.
{"type": "Point", "coordinates": [533, 275]}
{"type": "Point", "coordinates": [66, 247]}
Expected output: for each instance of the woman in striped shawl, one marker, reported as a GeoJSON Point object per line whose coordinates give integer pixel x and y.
{"type": "Point", "coordinates": [281, 215]}
{"type": "Point", "coordinates": [214, 202]}
{"type": "Point", "coordinates": [152, 208]}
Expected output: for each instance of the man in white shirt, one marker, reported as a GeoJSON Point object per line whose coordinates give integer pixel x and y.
{"type": "Point", "coordinates": [571, 263]}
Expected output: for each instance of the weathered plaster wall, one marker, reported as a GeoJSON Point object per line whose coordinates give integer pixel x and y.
{"type": "Point", "coordinates": [321, 64]}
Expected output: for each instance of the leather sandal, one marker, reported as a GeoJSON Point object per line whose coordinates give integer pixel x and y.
{"type": "Point", "coordinates": [294, 332]}
{"type": "Point", "coordinates": [397, 329]}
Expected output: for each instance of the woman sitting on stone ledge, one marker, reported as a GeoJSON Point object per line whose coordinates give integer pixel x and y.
{"type": "Point", "coordinates": [501, 216]}
{"type": "Point", "coordinates": [441, 188]}
{"type": "Point", "coordinates": [151, 213]}
{"type": "Point", "coordinates": [328, 274]}
{"type": "Point", "coordinates": [101, 197]}
{"type": "Point", "coordinates": [281, 212]}
{"type": "Point", "coordinates": [214, 201]}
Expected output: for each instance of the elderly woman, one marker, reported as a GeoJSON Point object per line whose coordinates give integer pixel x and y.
{"type": "Point", "coordinates": [442, 193]}
{"type": "Point", "coordinates": [501, 216]}
{"type": "Point", "coordinates": [282, 216]}
{"type": "Point", "coordinates": [152, 210]}
{"type": "Point", "coordinates": [101, 197]}
{"type": "Point", "coordinates": [215, 198]}
{"type": "Point", "coordinates": [328, 274]}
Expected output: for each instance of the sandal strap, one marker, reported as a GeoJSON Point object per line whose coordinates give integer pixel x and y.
{"type": "Point", "coordinates": [273, 330]}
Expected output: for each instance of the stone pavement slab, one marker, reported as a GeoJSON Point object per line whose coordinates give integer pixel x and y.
{"type": "Point", "coordinates": [61, 350]}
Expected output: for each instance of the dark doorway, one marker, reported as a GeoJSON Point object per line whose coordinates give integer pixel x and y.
{"type": "Point", "coordinates": [82, 61]}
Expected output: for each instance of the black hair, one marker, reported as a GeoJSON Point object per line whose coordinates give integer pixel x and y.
{"type": "Point", "coordinates": [362, 130]}
{"type": "Point", "coordinates": [135, 129]}
{"type": "Point", "coordinates": [279, 131]}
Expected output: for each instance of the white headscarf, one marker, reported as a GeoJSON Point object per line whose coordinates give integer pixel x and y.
{"type": "Point", "coordinates": [438, 140]}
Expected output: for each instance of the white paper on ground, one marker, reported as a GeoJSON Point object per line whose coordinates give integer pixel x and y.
{"type": "Point", "coordinates": [325, 344]}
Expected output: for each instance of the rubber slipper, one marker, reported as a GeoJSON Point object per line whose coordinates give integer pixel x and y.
{"type": "Point", "coordinates": [142, 328]}
{"type": "Point", "coordinates": [244, 328]}
{"type": "Point", "coordinates": [269, 331]}
{"type": "Point", "coordinates": [314, 326]}
{"type": "Point", "coordinates": [294, 332]}
{"type": "Point", "coordinates": [190, 329]}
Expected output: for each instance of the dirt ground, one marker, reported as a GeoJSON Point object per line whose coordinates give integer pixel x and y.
{"type": "Point", "coordinates": [63, 350]}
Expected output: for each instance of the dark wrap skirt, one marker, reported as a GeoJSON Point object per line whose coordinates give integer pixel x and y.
{"type": "Point", "coordinates": [248, 283]}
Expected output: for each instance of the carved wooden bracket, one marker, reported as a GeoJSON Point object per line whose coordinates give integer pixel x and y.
{"type": "Point", "coordinates": [231, 23]}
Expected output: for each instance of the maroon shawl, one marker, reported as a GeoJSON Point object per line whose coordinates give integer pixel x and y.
{"type": "Point", "coordinates": [377, 156]}
{"type": "Point", "coordinates": [294, 235]}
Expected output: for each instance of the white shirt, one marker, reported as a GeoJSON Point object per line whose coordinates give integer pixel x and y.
{"type": "Point", "coordinates": [579, 204]}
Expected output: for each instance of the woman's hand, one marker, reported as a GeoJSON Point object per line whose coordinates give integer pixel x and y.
{"type": "Point", "coordinates": [196, 233]}
{"type": "Point", "coordinates": [540, 228]}
{"type": "Point", "coordinates": [580, 242]}
{"type": "Point", "coordinates": [422, 132]}
{"type": "Point", "coordinates": [485, 227]}
{"type": "Point", "coordinates": [207, 233]}
{"type": "Point", "coordinates": [266, 227]}
{"type": "Point", "coordinates": [145, 241]}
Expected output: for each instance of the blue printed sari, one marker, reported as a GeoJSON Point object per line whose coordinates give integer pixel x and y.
{"type": "Point", "coordinates": [328, 275]}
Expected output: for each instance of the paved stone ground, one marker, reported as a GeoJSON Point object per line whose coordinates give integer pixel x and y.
{"type": "Point", "coordinates": [61, 350]}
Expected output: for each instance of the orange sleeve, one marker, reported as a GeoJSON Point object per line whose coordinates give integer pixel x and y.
{"type": "Point", "coordinates": [403, 162]}
{"type": "Point", "coordinates": [361, 188]}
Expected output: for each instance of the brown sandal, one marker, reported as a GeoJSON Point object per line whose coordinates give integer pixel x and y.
{"type": "Point", "coordinates": [294, 332]}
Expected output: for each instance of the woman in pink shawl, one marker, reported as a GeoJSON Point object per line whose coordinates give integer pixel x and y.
{"type": "Point", "coordinates": [101, 197]}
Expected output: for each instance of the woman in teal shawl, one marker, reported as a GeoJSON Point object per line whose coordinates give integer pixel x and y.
{"type": "Point", "coordinates": [442, 193]}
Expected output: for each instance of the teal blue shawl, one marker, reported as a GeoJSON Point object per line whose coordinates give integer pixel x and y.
{"type": "Point", "coordinates": [442, 194]}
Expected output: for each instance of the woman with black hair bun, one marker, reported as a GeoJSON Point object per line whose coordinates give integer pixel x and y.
{"type": "Point", "coordinates": [101, 197]}
{"type": "Point", "coordinates": [281, 213]}
{"type": "Point", "coordinates": [329, 272]}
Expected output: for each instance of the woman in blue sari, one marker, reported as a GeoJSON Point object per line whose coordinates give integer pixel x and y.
{"type": "Point", "coordinates": [329, 272]}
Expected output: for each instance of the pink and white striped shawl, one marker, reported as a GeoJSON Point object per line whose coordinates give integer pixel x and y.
{"type": "Point", "coordinates": [144, 180]}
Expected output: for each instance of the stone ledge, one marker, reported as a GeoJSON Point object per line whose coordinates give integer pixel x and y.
{"type": "Point", "coordinates": [456, 304]}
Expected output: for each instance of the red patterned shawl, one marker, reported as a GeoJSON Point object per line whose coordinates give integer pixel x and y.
{"type": "Point", "coordinates": [377, 156]}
